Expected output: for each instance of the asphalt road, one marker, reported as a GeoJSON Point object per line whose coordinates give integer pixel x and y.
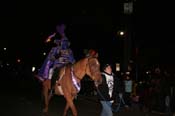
{"type": "Point", "coordinates": [22, 97]}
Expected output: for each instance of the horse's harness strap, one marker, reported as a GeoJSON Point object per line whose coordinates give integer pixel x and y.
{"type": "Point", "coordinates": [75, 83]}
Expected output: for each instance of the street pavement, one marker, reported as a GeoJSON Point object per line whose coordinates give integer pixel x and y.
{"type": "Point", "coordinates": [24, 99]}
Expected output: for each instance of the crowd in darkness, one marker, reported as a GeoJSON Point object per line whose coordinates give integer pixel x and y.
{"type": "Point", "coordinates": [156, 90]}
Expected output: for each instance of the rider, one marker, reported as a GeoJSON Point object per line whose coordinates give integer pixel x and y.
{"type": "Point", "coordinates": [58, 56]}
{"type": "Point", "coordinates": [65, 56]}
{"type": "Point", "coordinates": [43, 73]}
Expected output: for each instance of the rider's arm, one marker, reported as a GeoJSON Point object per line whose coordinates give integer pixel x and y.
{"type": "Point", "coordinates": [50, 37]}
{"type": "Point", "coordinates": [71, 56]}
{"type": "Point", "coordinates": [51, 55]}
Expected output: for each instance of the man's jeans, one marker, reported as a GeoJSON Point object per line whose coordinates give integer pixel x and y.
{"type": "Point", "coordinates": [106, 108]}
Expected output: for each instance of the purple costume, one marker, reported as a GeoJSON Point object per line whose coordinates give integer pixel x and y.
{"type": "Point", "coordinates": [57, 57]}
{"type": "Point", "coordinates": [48, 63]}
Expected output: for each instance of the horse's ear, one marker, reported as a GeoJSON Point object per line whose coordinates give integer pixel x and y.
{"type": "Point", "coordinates": [92, 53]}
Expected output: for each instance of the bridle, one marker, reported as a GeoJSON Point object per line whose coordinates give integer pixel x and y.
{"type": "Point", "coordinates": [88, 65]}
{"type": "Point", "coordinates": [74, 76]}
{"type": "Point", "coordinates": [90, 70]}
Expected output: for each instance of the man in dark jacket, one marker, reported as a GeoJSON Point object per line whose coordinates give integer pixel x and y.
{"type": "Point", "coordinates": [108, 90]}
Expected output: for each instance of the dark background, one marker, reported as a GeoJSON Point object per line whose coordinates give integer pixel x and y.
{"type": "Point", "coordinates": [90, 24]}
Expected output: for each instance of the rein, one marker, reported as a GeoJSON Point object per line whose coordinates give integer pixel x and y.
{"type": "Point", "coordinates": [121, 100]}
{"type": "Point", "coordinates": [101, 94]}
{"type": "Point", "coordinates": [108, 103]}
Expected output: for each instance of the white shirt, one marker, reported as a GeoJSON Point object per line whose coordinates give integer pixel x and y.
{"type": "Point", "coordinates": [110, 82]}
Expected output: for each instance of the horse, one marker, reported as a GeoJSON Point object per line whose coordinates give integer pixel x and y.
{"type": "Point", "coordinates": [69, 81]}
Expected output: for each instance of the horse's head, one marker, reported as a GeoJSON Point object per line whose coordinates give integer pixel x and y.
{"type": "Point", "coordinates": [93, 70]}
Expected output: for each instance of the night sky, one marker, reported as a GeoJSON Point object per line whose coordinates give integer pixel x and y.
{"type": "Point", "coordinates": [90, 24]}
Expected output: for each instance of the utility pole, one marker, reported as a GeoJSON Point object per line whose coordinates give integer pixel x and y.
{"type": "Point", "coordinates": [127, 17]}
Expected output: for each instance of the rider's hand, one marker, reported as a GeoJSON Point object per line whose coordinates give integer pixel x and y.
{"type": "Point", "coordinates": [49, 38]}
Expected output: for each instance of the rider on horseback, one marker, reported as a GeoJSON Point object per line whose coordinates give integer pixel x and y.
{"type": "Point", "coordinates": [64, 57]}
{"type": "Point", "coordinates": [57, 57]}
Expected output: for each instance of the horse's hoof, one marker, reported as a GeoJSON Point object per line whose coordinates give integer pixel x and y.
{"type": "Point", "coordinates": [45, 110]}
{"type": "Point", "coordinates": [45, 114]}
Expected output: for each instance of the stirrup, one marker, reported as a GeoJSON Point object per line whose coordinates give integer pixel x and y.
{"type": "Point", "coordinates": [52, 92]}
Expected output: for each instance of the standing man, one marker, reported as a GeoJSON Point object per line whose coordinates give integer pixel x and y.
{"type": "Point", "coordinates": [108, 90]}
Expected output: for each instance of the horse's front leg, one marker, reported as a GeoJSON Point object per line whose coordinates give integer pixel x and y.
{"type": "Point", "coordinates": [66, 109]}
{"type": "Point", "coordinates": [70, 104]}
{"type": "Point", "coordinates": [46, 98]}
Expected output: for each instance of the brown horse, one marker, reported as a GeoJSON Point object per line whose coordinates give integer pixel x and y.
{"type": "Point", "coordinates": [69, 81]}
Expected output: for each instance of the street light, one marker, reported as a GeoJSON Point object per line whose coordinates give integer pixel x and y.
{"type": "Point", "coordinates": [121, 33]}
{"type": "Point", "coordinates": [5, 49]}
{"type": "Point", "coordinates": [44, 53]}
